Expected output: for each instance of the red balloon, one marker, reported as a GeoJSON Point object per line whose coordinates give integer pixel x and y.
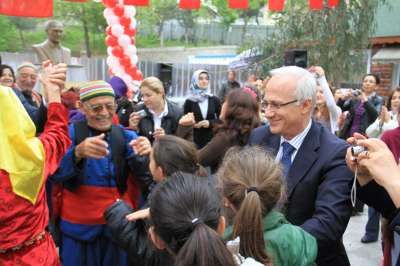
{"type": "Point", "coordinates": [119, 10]}
{"type": "Point", "coordinates": [130, 32]}
{"type": "Point", "coordinates": [108, 30]}
{"type": "Point", "coordinates": [126, 22]}
{"type": "Point", "coordinates": [131, 71]}
{"type": "Point", "coordinates": [110, 3]}
{"type": "Point", "coordinates": [138, 75]}
{"type": "Point", "coordinates": [111, 41]}
{"type": "Point", "coordinates": [117, 51]}
{"type": "Point", "coordinates": [125, 61]}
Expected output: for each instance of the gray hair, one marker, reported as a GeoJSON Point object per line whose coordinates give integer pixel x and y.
{"type": "Point", "coordinates": [53, 24]}
{"type": "Point", "coordinates": [306, 88]}
{"type": "Point", "coordinates": [26, 64]}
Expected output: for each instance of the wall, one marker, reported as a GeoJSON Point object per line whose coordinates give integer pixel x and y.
{"type": "Point", "coordinates": [385, 72]}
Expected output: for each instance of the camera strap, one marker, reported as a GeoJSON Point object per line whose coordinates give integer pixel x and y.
{"type": "Point", "coordinates": [353, 193]}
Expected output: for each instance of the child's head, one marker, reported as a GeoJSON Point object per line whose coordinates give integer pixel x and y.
{"type": "Point", "coordinates": [252, 184]}
{"type": "Point", "coordinates": [186, 215]}
{"type": "Point", "coordinates": [171, 154]}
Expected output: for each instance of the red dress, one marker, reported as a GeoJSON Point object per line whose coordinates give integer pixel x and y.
{"type": "Point", "coordinates": [20, 221]}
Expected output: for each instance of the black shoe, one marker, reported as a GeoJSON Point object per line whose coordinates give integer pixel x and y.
{"type": "Point", "coordinates": [366, 239]}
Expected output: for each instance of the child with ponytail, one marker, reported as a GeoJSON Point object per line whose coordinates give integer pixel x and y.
{"type": "Point", "coordinates": [252, 184]}
{"type": "Point", "coordinates": [187, 222]}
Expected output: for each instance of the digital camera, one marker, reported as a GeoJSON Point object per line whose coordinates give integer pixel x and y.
{"type": "Point", "coordinates": [356, 150]}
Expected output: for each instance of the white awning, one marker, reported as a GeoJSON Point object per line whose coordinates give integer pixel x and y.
{"type": "Point", "coordinates": [387, 55]}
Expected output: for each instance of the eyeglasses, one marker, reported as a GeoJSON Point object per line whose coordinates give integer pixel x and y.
{"type": "Point", "coordinates": [275, 105]}
{"type": "Point", "coordinates": [97, 108]}
{"type": "Point", "coordinates": [25, 76]}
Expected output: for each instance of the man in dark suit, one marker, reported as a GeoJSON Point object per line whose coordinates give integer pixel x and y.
{"type": "Point", "coordinates": [313, 159]}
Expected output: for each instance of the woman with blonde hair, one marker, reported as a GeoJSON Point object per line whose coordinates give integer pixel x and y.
{"type": "Point", "coordinates": [252, 185]}
{"type": "Point", "coordinates": [157, 116]}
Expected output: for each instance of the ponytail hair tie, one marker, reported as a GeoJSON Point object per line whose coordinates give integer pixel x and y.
{"type": "Point", "coordinates": [251, 189]}
{"type": "Point", "coordinates": [196, 221]}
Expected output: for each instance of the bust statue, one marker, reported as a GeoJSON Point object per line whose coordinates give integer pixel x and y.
{"type": "Point", "coordinates": [51, 49]}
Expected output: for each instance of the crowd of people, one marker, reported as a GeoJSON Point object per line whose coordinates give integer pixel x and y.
{"type": "Point", "coordinates": [260, 174]}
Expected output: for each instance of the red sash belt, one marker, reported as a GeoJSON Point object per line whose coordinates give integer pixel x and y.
{"type": "Point", "coordinates": [87, 204]}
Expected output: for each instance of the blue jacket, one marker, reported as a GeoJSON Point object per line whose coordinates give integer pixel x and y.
{"type": "Point", "coordinates": [37, 114]}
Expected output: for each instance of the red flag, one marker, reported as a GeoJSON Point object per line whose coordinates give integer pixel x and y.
{"type": "Point", "coordinates": [136, 2]}
{"type": "Point", "coordinates": [238, 4]}
{"type": "Point", "coordinates": [316, 4]}
{"type": "Point", "coordinates": [189, 4]}
{"type": "Point", "coordinates": [276, 5]}
{"type": "Point", "coordinates": [25, 8]}
{"type": "Point", "coordinates": [333, 3]}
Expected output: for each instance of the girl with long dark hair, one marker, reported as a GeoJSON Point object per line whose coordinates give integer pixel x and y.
{"type": "Point", "coordinates": [239, 117]}
{"type": "Point", "coordinates": [168, 155]}
{"type": "Point", "coordinates": [187, 222]}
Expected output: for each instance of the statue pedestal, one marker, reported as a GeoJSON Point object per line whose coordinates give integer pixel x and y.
{"type": "Point", "coordinates": [76, 74]}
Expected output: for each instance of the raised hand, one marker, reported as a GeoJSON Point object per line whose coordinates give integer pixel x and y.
{"type": "Point", "coordinates": [53, 80]}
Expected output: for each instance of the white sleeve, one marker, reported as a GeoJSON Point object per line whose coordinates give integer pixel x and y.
{"type": "Point", "coordinates": [334, 111]}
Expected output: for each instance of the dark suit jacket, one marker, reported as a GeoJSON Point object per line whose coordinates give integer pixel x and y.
{"type": "Point", "coordinates": [201, 136]}
{"type": "Point", "coordinates": [37, 114]}
{"type": "Point", "coordinates": [318, 189]}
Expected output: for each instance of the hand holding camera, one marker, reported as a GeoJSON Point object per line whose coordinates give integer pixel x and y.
{"type": "Point", "coordinates": [354, 155]}
{"type": "Point", "coordinates": [379, 161]}
{"type": "Point", "coordinates": [135, 117]}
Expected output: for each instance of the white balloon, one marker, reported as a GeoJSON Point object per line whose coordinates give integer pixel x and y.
{"type": "Point", "coordinates": [133, 24]}
{"type": "Point", "coordinates": [112, 20]}
{"type": "Point", "coordinates": [124, 41]}
{"type": "Point", "coordinates": [117, 30]}
{"type": "Point", "coordinates": [130, 11]}
{"type": "Point", "coordinates": [109, 51]}
{"type": "Point", "coordinates": [112, 61]}
{"type": "Point", "coordinates": [108, 12]}
{"type": "Point", "coordinates": [126, 78]}
{"type": "Point", "coordinates": [134, 58]}
{"type": "Point", "coordinates": [118, 70]}
{"type": "Point", "coordinates": [131, 50]}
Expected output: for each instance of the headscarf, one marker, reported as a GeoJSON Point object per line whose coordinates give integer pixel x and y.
{"type": "Point", "coordinates": [198, 94]}
{"type": "Point", "coordinates": [22, 155]}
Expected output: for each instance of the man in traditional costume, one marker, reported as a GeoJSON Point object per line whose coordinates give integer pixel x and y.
{"type": "Point", "coordinates": [95, 172]}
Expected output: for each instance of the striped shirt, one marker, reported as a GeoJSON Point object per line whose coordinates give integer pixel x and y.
{"type": "Point", "coordinates": [295, 142]}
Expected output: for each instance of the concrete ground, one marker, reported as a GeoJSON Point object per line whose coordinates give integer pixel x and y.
{"type": "Point", "coordinates": [361, 254]}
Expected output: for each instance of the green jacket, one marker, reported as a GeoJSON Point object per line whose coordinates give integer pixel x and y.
{"type": "Point", "coordinates": [285, 243]}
